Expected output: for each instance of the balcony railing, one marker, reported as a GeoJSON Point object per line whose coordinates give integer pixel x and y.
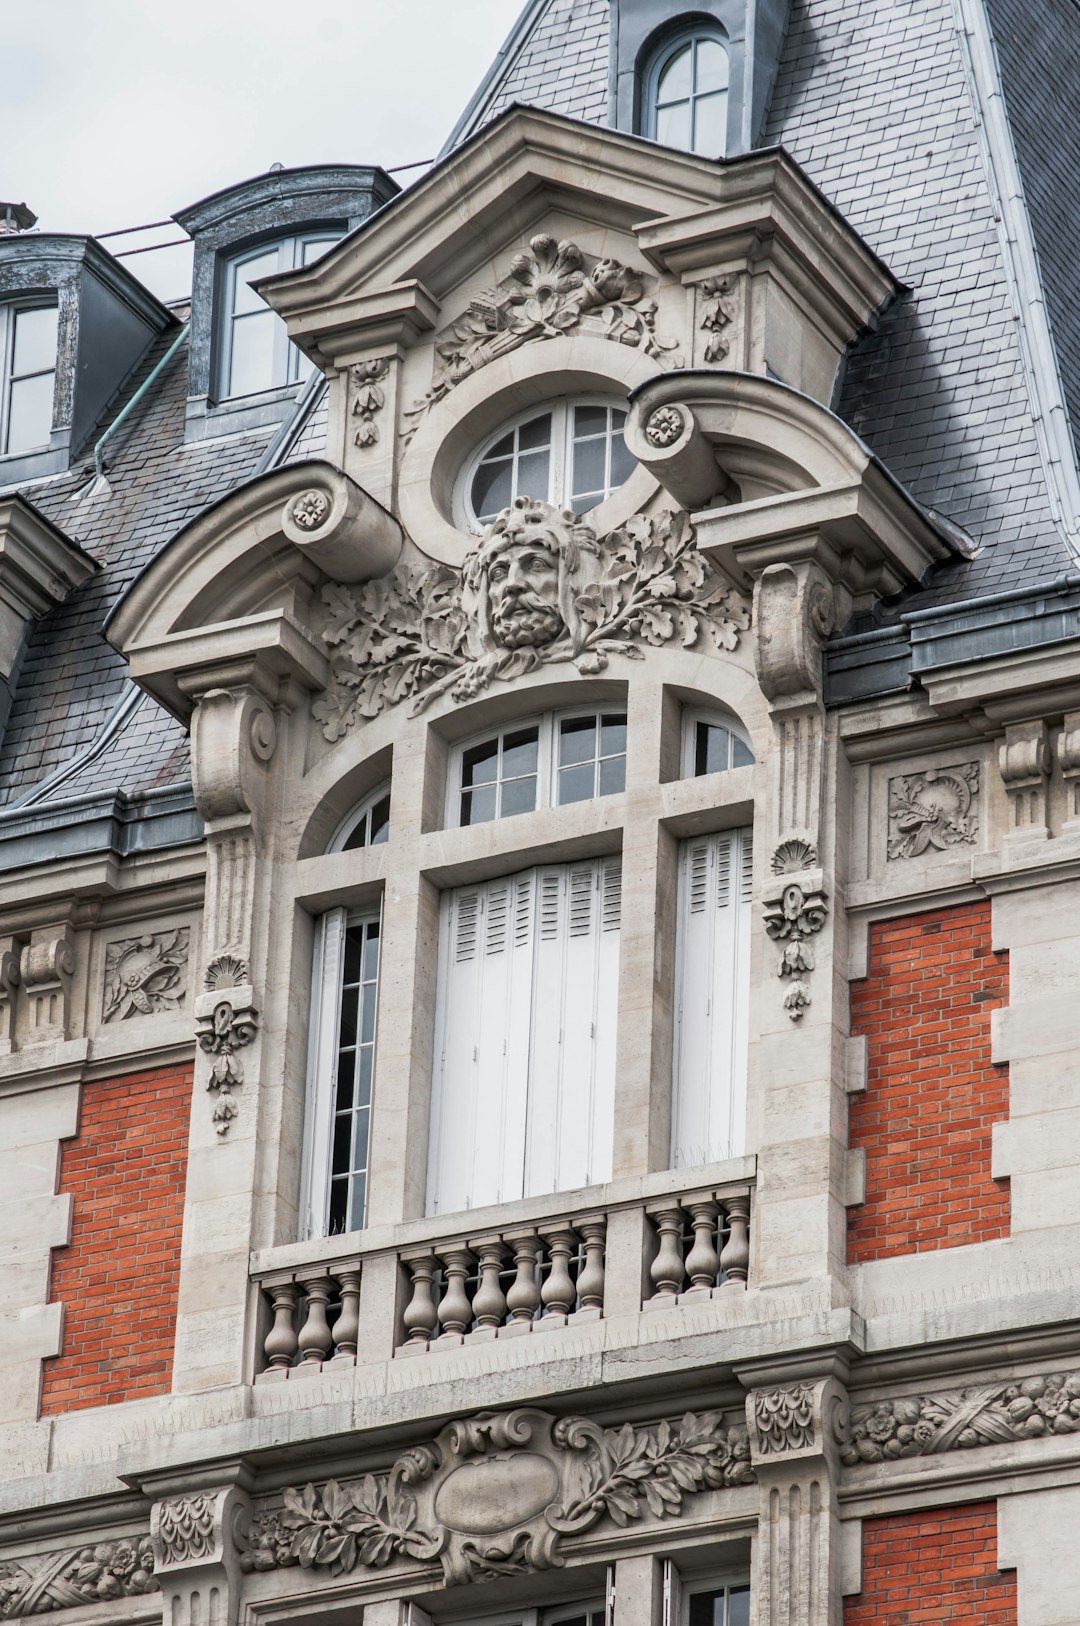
{"type": "Point", "coordinates": [468, 1287]}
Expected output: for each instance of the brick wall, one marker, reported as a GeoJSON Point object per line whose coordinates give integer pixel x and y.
{"type": "Point", "coordinates": [932, 1091]}
{"type": "Point", "coordinates": [936, 1568]}
{"type": "Point", "coordinates": [117, 1278]}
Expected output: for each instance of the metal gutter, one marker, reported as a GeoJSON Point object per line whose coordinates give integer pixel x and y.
{"type": "Point", "coordinates": [126, 411]}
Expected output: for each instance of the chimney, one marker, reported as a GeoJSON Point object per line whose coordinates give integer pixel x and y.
{"type": "Point", "coordinates": [14, 218]}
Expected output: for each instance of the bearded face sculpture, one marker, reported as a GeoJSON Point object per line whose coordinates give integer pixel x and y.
{"type": "Point", "coordinates": [524, 574]}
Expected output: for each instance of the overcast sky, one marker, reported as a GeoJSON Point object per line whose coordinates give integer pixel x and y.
{"type": "Point", "coordinates": [118, 112]}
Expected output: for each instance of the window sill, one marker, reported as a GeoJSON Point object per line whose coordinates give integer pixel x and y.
{"type": "Point", "coordinates": [206, 419]}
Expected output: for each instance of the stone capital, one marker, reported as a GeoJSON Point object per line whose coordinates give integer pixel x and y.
{"type": "Point", "coordinates": [197, 1540]}
{"type": "Point", "coordinates": [797, 1426]}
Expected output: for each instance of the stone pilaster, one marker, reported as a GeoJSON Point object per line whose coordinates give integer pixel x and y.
{"type": "Point", "coordinates": [196, 1537]}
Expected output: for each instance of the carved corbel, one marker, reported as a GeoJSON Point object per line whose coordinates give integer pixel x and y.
{"type": "Point", "coordinates": [1024, 763]}
{"type": "Point", "coordinates": [46, 966]}
{"type": "Point", "coordinates": [1068, 753]}
{"type": "Point", "coordinates": [9, 984]}
{"type": "Point", "coordinates": [233, 735]}
{"type": "Point", "coordinates": [197, 1540]}
{"type": "Point", "coordinates": [796, 1433]}
{"type": "Point", "coordinates": [794, 612]}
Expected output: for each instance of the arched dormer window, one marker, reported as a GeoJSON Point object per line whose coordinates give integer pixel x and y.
{"type": "Point", "coordinates": [685, 92]}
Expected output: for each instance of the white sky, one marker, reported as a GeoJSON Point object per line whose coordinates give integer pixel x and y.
{"type": "Point", "coordinates": [118, 112]}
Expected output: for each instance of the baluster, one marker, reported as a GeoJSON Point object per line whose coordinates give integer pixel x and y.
{"type": "Point", "coordinates": [455, 1310]}
{"type": "Point", "coordinates": [489, 1300]}
{"type": "Point", "coordinates": [347, 1325]}
{"type": "Point", "coordinates": [590, 1283]}
{"type": "Point", "coordinates": [703, 1261]}
{"type": "Point", "coordinates": [735, 1254]}
{"type": "Point", "coordinates": [314, 1338]}
{"type": "Point", "coordinates": [420, 1317]}
{"type": "Point", "coordinates": [281, 1345]}
{"type": "Point", "coordinates": [558, 1295]}
{"type": "Point", "coordinates": [667, 1270]}
{"type": "Point", "coordinates": [523, 1299]}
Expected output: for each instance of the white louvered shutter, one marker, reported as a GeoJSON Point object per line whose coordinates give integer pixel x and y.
{"type": "Point", "coordinates": [481, 1045]}
{"type": "Point", "coordinates": [572, 1061]}
{"type": "Point", "coordinates": [712, 982]}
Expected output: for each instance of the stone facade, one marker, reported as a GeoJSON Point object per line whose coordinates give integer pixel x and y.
{"type": "Point", "coordinates": [815, 1353]}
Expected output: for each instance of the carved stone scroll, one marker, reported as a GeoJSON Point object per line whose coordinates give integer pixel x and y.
{"type": "Point", "coordinates": [497, 1494]}
{"type": "Point", "coordinates": [1024, 762]}
{"type": "Point", "coordinates": [582, 599]}
{"type": "Point", "coordinates": [45, 970]}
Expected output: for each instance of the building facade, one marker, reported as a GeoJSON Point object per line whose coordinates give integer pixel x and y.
{"type": "Point", "coordinates": [540, 776]}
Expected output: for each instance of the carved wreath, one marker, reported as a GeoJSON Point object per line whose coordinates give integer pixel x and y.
{"type": "Point", "coordinates": [423, 631]}
{"type": "Point", "coordinates": [496, 1495]}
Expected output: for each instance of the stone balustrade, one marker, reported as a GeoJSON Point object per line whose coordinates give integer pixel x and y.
{"type": "Point", "coordinates": [702, 1246]}
{"type": "Point", "coordinates": [473, 1286]}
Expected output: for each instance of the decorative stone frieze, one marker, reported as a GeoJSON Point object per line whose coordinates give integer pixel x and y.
{"type": "Point", "coordinates": [959, 1419]}
{"type": "Point", "coordinates": [500, 1493]}
{"type": "Point", "coordinates": [934, 809]}
{"type": "Point", "coordinates": [70, 1579]}
{"type": "Point", "coordinates": [793, 915]}
{"type": "Point", "coordinates": [428, 630]}
{"type": "Point", "coordinates": [226, 1021]}
{"type": "Point", "coordinates": [145, 975]}
{"type": "Point", "coordinates": [367, 398]}
{"type": "Point", "coordinates": [1024, 762]}
{"type": "Point", "coordinates": [45, 971]}
{"type": "Point", "coordinates": [556, 288]}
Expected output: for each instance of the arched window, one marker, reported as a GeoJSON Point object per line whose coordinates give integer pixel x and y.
{"type": "Point", "coordinates": [685, 86]}
{"type": "Point", "coordinates": [571, 453]}
{"type": "Point", "coordinates": [367, 825]}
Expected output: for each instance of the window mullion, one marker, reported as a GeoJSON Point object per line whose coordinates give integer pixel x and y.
{"type": "Point", "coordinates": [561, 454]}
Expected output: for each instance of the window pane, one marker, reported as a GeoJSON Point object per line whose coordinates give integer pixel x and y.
{"type": "Point", "coordinates": [34, 350]}
{"type": "Point", "coordinates": [477, 806]}
{"type": "Point", "coordinates": [537, 432]}
{"type": "Point", "coordinates": [710, 124]}
{"type": "Point", "coordinates": [612, 776]}
{"type": "Point", "coordinates": [590, 420]}
{"type": "Point", "coordinates": [577, 784]}
{"type": "Point", "coordinates": [343, 1126]}
{"type": "Point", "coordinates": [590, 473]}
{"type": "Point", "coordinates": [30, 413]}
{"type": "Point", "coordinates": [586, 500]}
{"type": "Point", "coordinates": [675, 79]}
{"type": "Point", "coordinates": [379, 820]}
{"type": "Point", "coordinates": [339, 1205]}
{"type": "Point", "coordinates": [739, 1606]}
{"type": "Point", "coordinates": [707, 1608]}
{"type": "Point", "coordinates": [492, 488]}
{"type": "Point", "coordinates": [741, 754]}
{"type": "Point", "coordinates": [363, 1077]}
{"type": "Point", "coordinates": [479, 764]}
{"type": "Point", "coordinates": [371, 952]}
{"type": "Point", "coordinates": [613, 734]}
{"type": "Point", "coordinates": [502, 448]}
{"type": "Point", "coordinates": [314, 247]}
{"type": "Point", "coordinates": [352, 955]}
{"type": "Point", "coordinates": [533, 475]}
{"type": "Point", "coordinates": [358, 1201]}
{"type": "Point", "coordinates": [712, 753]}
{"type": "Point", "coordinates": [251, 365]}
{"type": "Point", "coordinates": [711, 67]}
{"type": "Point", "coordinates": [345, 1080]}
{"type": "Point", "coordinates": [622, 462]}
{"type": "Point", "coordinates": [520, 752]}
{"type": "Point", "coordinates": [577, 739]}
{"type": "Point", "coordinates": [349, 999]}
{"type": "Point", "coordinates": [518, 796]}
{"type": "Point", "coordinates": [673, 125]}
{"type": "Point", "coordinates": [248, 271]}
{"type": "Point", "coordinates": [367, 1014]}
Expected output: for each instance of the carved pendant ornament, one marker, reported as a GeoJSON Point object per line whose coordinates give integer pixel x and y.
{"type": "Point", "coordinates": [538, 587]}
{"type": "Point", "coordinates": [933, 809]}
{"type": "Point", "coordinates": [792, 918]}
{"type": "Point", "coordinates": [225, 1026]}
{"type": "Point", "coordinates": [65, 1580]}
{"type": "Point", "coordinates": [368, 399]}
{"type": "Point", "coordinates": [499, 1493]}
{"type": "Point", "coordinates": [145, 975]}
{"type": "Point", "coordinates": [555, 289]}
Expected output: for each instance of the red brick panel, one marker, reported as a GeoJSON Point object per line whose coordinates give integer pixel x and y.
{"type": "Point", "coordinates": [939, 1568]}
{"type": "Point", "coordinates": [932, 1091]}
{"type": "Point", "coordinates": [117, 1279]}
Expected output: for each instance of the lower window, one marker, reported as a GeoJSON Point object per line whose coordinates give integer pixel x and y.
{"type": "Point", "coordinates": [524, 1076]}
{"type": "Point", "coordinates": [346, 987]}
{"type": "Point", "coordinates": [712, 983]}
{"type": "Point", "coordinates": [717, 1606]}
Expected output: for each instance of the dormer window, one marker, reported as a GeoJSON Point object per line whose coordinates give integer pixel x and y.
{"type": "Point", "coordinates": [256, 353]}
{"type": "Point", "coordinates": [573, 454]}
{"type": "Point", "coordinates": [686, 93]}
{"type": "Point", "coordinates": [28, 371]}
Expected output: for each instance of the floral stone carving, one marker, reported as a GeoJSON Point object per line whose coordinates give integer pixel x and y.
{"type": "Point", "coordinates": [791, 919]}
{"type": "Point", "coordinates": [368, 398]}
{"type": "Point", "coordinates": [65, 1580]}
{"type": "Point", "coordinates": [933, 809]}
{"type": "Point", "coordinates": [958, 1419]}
{"type": "Point", "coordinates": [499, 1493]}
{"type": "Point", "coordinates": [552, 290]}
{"type": "Point", "coordinates": [717, 314]}
{"type": "Point", "coordinates": [145, 975]}
{"type": "Point", "coordinates": [538, 587]}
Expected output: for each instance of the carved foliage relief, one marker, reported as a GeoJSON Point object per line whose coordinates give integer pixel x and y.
{"type": "Point", "coordinates": [145, 975]}
{"type": "Point", "coordinates": [934, 809]}
{"type": "Point", "coordinates": [64, 1580]}
{"type": "Point", "coordinates": [498, 1494]}
{"type": "Point", "coordinates": [957, 1419]}
{"type": "Point", "coordinates": [556, 288]}
{"type": "Point", "coordinates": [538, 587]}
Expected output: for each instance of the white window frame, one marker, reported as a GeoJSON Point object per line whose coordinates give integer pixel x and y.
{"type": "Point", "coordinates": [686, 39]}
{"type": "Point", "coordinates": [359, 813]}
{"type": "Point", "coordinates": [562, 442]}
{"type": "Point", "coordinates": [323, 1035]}
{"type": "Point", "coordinates": [289, 363]}
{"type": "Point", "coordinates": [679, 1589]}
{"type": "Point", "coordinates": [715, 719]}
{"type": "Point", "coordinates": [547, 757]}
{"type": "Point", "coordinates": [539, 1615]}
{"type": "Point", "coordinates": [10, 311]}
